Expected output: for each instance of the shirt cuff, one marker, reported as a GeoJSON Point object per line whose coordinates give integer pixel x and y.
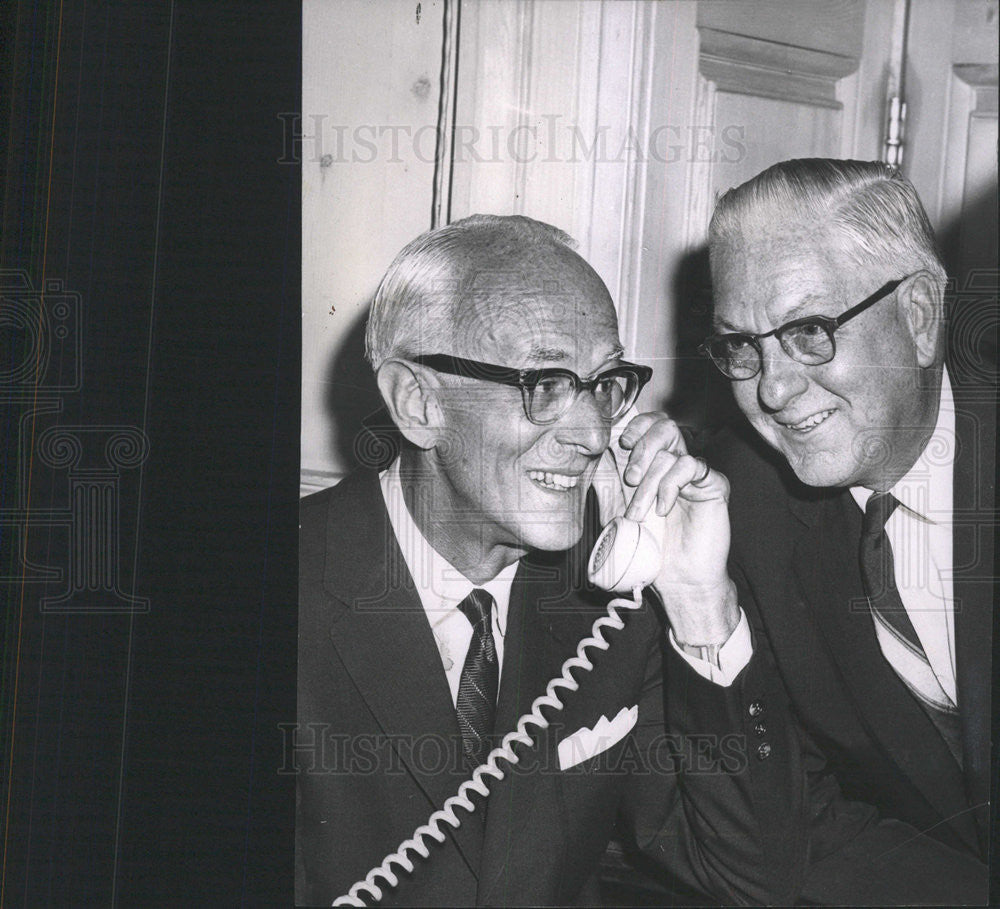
{"type": "Point", "coordinates": [733, 655]}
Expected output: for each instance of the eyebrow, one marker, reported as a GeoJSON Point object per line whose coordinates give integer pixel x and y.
{"type": "Point", "coordinates": [722, 324]}
{"type": "Point", "coordinates": [546, 354]}
{"type": "Point", "coordinates": [803, 309]}
{"type": "Point", "coordinates": [557, 354]}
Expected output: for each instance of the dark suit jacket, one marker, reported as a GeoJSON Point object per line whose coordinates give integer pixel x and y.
{"type": "Point", "coordinates": [378, 741]}
{"type": "Point", "coordinates": [795, 560]}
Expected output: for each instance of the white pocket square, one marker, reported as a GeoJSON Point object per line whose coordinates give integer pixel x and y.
{"type": "Point", "coordinates": [585, 743]}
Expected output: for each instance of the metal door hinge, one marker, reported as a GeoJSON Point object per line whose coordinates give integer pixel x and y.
{"type": "Point", "coordinates": [895, 131]}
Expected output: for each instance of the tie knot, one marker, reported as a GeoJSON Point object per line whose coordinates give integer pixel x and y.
{"type": "Point", "coordinates": [477, 607]}
{"type": "Point", "coordinates": [877, 511]}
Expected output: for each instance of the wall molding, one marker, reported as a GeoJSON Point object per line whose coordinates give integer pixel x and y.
{"type": "Point", "coordinates": [642, 47]}
{"type": "Point", "coordinates": [982, 78]}
{"type": "Point", "coordinates": [769, 69]}
{"type": "Point", "coordinates": [701, 199]}
{"type": "Point", "coordinates": [972, 99]}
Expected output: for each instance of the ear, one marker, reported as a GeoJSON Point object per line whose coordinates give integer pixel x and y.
{"type": "Point", "coordinates": [922, 299]}
{"type": "Point", "coordinates": [408, 392]}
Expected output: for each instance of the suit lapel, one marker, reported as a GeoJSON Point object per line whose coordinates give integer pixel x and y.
{"type": "Point", "coordinates": [826, 566]}
{"type": "Point", "coordinates": [381, 633]}
{"type": "Point", "coordinates": [544, 623]}
{"type": "Point", "coordinates": [973, 541]}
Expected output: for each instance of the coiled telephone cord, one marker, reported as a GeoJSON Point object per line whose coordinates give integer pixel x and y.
{"type": "Point", "coordinates": [503, 752]}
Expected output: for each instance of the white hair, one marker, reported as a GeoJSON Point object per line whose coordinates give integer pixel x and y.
{"type": "Point", "coordinates": [868, 205]}
{"type": "Point", "coordinates": [417, 300]}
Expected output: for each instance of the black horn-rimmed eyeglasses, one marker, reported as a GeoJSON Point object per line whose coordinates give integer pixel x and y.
{"type": "Point", "coordinates": [809, 340]}
{"type": "Point", "coordinates": [549, 392]}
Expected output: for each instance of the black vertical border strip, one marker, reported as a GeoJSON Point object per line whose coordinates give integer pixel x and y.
{"type": "Point", "coordinates": [214, 665]}
{"type": "Point", "coordinates": [141, 163]}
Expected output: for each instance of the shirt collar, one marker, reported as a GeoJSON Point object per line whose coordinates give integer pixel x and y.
{"type": "Point", "coordinates": [439, 584]}
{"type": "Point", "coordinates": [926, 488]}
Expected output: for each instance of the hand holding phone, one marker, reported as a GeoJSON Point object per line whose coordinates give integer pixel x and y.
{"type": "Point", "coordinates": [668, 525]}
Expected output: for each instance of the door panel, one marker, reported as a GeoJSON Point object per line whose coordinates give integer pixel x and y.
{"type": "Point", "coordinates": [619, 121]}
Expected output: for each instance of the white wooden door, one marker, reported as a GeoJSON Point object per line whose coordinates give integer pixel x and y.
{"type": "Point", "coordinates": [618, 121]}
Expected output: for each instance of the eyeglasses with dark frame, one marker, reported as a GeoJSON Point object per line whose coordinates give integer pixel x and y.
{"type": "Point", "coordinates": [808, 340]}
{"type": "Point", "coordinates": [549, 392]}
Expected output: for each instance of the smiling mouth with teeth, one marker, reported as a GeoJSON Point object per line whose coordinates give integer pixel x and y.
{"type": "Point", "coordinates": [809, 422]}
{"type": "Point", "coordinates": [558, 481]}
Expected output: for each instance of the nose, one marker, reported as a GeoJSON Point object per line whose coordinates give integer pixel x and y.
{"type": "Point", "coordinates": [583, 426]}
{"type": "Point", "coordinates": [781, 378]}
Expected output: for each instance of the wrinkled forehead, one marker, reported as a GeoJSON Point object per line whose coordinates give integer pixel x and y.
{"type": "Point", "coordinates": [762, 278]}
{"type": "Point", "coordinates": [539, 306]}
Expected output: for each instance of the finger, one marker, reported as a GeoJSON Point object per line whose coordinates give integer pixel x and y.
{"type": "Point", "coordinates": [636, 426]}
{"type": "Point", "coordinates": [692, 479]}
{"type": "Point", "coordinates": [657, 426]}
{"type": "Point", "coordinates": [705, 486]}
{"type": "Point", "coordinates": [705, 470]}
{"type": "Point", "coordinates": [646, 491]}
{"type": "Point", "coordinates": [661, 434]}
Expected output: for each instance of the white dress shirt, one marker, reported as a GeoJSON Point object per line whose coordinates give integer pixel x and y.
{"type": "Point", "coordinates": [442, 587]}
{"type": "Point", "coordinates": [920, 533]}
{"type": "Point", "coordinates": [733, 655]}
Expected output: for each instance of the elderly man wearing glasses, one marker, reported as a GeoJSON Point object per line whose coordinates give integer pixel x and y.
{"type": "Point", "coordinates": [438, 599]}
{"type": "Point", "coordinates": [863, 553]}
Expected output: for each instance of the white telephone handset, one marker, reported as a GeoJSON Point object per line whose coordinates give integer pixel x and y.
{"type": "Point", "coordinates": [628, 554]}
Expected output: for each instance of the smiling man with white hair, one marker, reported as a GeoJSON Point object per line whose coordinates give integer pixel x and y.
{"type": "Point", "coordinates": [440, 596]}
{"type": "Point", "coordinates": [863, 526]}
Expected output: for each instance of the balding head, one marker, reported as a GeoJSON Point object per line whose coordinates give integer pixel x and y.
{"type": "Point", "coordinates": [449, 286]}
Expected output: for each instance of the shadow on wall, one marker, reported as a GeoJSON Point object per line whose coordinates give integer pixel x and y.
{"type": "Point", "coordinates": [701, 399]}
{"type": "Point", "coordinates": [969, 248]}
{"type": "Point", "coordinates": [361, 433]}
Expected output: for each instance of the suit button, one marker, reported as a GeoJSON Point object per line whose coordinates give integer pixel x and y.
{"type": "Point", "coordinates": [763, 751]}
{"type": "Point", "coordinates": [760, 727]}
{"type": "Point", "coordinates": [756, 708]}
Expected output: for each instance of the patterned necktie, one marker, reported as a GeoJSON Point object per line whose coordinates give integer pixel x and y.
{"type": "Point", "coordinates": [477, 688]}
{"type": "Point", "coordinates": [898, 638]}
